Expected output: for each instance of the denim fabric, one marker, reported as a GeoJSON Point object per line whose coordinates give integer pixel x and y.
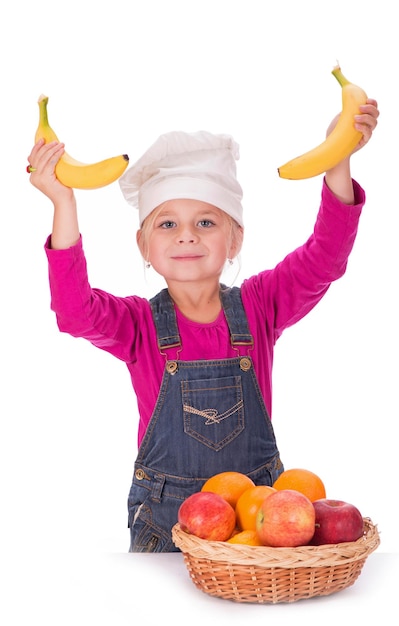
{"type": "Point", "coordinates": [210, 417]}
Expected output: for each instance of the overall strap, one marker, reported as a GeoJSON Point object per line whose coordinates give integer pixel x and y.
{"type": "Point", "coordinates": [166, 325]}
{"type": "Point", "coordinates": [164, 316]}
{"type": "Point", "coordinates": [235, 316]}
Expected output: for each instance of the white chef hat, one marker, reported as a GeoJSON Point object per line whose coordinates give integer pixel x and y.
{"type": "Point", "coordinates": [196, 166]}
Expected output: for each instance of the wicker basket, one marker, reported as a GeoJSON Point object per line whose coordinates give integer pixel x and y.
{"type": "Point", "coordinates": [262, 574]}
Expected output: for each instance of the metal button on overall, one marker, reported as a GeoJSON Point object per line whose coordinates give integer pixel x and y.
{"type": "Point", "coordinates": [245, 364]}
{"type": "Point", "coordinates": [171, 367]}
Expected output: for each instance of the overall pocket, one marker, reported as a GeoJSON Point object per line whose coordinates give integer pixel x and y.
{"type": "Point", "coordinates": [213, 410]}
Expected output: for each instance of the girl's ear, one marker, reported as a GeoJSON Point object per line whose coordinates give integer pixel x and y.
{"type": "Point", "coordinates": [140, 242]}
{"type": "Point", "coordinates": [236, 243]}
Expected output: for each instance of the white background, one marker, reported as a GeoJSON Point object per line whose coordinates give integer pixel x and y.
{"type": "Point", "coordinates": [118, 74]}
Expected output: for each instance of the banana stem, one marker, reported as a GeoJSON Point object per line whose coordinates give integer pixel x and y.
{"type": "Point", "coordinates": [42, 102]}
{"type": "Point", "coordinates": [339, 76]}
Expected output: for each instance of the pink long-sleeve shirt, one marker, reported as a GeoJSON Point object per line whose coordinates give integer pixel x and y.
{"type": "Point", "coordinates": [273, 300]}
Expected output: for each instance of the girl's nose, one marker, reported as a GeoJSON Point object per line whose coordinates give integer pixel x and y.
{"type": "Point", "coordinates": [186, 235]}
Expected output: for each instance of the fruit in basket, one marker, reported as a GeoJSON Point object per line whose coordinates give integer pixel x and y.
{"type": "Point", "coordinates": [207, 515]}
{"type": "Point", "coordinates": [229, 485]}
{"type": "Point", "coordinates": [286, 518]}
{"type": "Point", "coordinates": [303, 480]}
{"type": "Point", "coordinates": [246, 537]}
{"type": "Point", "coordinates": [336, 522]}
{"type": "Point", "coordinates": [248, 505]}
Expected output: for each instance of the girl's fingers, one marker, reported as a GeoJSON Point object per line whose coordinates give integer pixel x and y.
{"type": "Point", "coordinates": [43, 154]}
{"type": "Point", "coordinates": [366, 125]}
{"type": "Point", "coordinates": [372, 102]}
{"type": "Point", "coordinates": [369, 112]}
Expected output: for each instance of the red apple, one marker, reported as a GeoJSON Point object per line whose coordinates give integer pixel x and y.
{"type": "Point", "coordinates": [336, 521]}
{"type": "Point", "coordinates": [286, 518]}
{"type": "Point", "coordinates": [207, 515]}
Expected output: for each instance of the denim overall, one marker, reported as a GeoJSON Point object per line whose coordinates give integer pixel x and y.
{"type": "Point", "coordinates": [210, 417]}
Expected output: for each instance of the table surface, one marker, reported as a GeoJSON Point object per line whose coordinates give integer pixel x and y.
{"type": "Point", "coordinates": [121, 589]}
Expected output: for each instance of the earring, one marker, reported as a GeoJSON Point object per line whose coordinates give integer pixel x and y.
{"type": "Point", "coordinates": [230, 261]}
{"type": "Point", "coordinates": [148, 265]}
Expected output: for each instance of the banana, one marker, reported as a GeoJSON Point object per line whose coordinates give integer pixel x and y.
{"type": "Point", "coordinates": [73, 173]}
{"type": "Point", "coordinates": [339, 144]}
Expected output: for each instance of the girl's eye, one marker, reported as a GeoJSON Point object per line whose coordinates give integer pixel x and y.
{"type": "Point", "coordinates": [167, 224]}
{"type": "Point", "coordinates": [206, 223]}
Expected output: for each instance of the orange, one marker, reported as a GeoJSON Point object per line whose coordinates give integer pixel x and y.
{"type": "Point", "coordinates": [248, 504]}
{"type": "Point", "coordinates": [303, 480]}
{"type": "Point", "coordinates": [230, 485]}
{"type": "Point", "coordinates": [249, 537]}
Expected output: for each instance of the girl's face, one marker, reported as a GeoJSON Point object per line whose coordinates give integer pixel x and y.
{"type": "Point", "coordinates": [190, 240]}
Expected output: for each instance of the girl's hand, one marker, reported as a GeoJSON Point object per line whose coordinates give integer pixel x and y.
{"type": "Point", "coordinates": [43, 158]}
{"type": "Point", "coordinates": [365, 122]}
{"type": "Point", "coordinates": [338, 178]}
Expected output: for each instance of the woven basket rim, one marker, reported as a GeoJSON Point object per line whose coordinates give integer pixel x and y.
{"type": "Point", "coordinates": [265, 556]}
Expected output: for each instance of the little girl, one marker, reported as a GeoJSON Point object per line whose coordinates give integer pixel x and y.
{"type": "Point", "coordinates": [199, 353]}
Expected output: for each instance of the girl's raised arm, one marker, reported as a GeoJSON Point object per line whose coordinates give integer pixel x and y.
{"type": "Point", "coordinates": [43, 159]}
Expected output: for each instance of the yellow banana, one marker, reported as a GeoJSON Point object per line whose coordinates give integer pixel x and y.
{"type": "Point", "coordinates": [339, 144]}
{"type": "Point", "coordinates": [73, 173]}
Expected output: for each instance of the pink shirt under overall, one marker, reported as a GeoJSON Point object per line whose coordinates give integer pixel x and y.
{"type": "Point", "coordinates": [273, 300]}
